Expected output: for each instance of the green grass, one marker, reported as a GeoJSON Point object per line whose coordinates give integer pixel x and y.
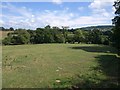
{"type": "Point", "coordinates": [74, 65]}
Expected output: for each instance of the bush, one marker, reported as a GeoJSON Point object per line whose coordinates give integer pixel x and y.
{"type": "Point", "coordinates": [6, 41]}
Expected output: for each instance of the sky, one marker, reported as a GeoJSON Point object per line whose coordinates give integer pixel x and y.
{"type": "Point", "coordinates": [31, 15]}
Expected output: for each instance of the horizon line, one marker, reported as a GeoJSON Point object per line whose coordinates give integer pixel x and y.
{"type": "Point", "coordinates": [60, 27]}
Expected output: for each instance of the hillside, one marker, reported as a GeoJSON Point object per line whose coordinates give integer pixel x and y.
{"type": "Point", "coordinates": [102, 27]}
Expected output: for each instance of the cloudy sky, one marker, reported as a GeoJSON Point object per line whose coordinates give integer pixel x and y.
{"type": "Point", "coordinates": [56, 13]}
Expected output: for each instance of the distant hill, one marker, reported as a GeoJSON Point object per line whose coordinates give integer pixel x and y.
{"type": "Point", "coordinates": [102, 28]}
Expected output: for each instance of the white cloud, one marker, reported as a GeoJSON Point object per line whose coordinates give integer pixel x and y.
{"type": "Point", "coordinates": [29, 19]}
{"type": "Point", "coordinates": [57, 1]}
{"type": "Point", "coordinates": [22, 11]}
{"type": "Point", "coordinates": [81, 8]}
{"type": "Point", "coordinates": [1, 23]}
{"type": "Point", "coordinates": [66, 8]}
{"type": "Point", "coordinates": [98, 4]}
{"type": "Point", "coordinates": [100, 8]}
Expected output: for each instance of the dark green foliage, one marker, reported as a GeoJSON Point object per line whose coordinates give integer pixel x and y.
{"type": "Point", "coordinates": [116, 22]}
{"type": "Point", "coordinates": [32, 36]}
{"type": "Point", "coordinates": [70, 38]}
{"type": "Point", "coordinates": [48, 36]}
{"type": "Point", "coordinates": [22, 36]}
{"type": "Point", "coordinates": [7, 41]}
{"type": "Point", "coordinates": [6, 29]}
{"type": "Point", "coordinates": [96, 36]}
{"type": "Point", "coordinates": [11, 29]}
{"type": "Point", "coordinates": [48, 27]}
{"type": "Point", "coordinates": [79, 36]}
{"type": "Point", "coordinates": [105, 40]}
{"type": "Point", "coordinates": [57, 35]}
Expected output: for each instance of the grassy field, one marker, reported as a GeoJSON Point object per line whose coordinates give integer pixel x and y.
{"type": "Point", "coordinates": [59, 66]}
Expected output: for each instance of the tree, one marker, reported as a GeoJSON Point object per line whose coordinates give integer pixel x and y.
{"type": "Point", "coordinates": [64, 31]}
{"type": "Point", "coordinates": [32, 36]}
{"type": "Point", "coordinates": [6, 41]}
{"type": "Point", "coordinates": [57, 35]}
{"type": "Point", "coordinates": [79, 36]}
{"type": "Point", "coordinates": [19, 36]}
{"type": "Point", "coordinates": [95, 36]}
{"type": "Point", "coordinates": [116, 22]}
{"type": "Point", "coordinates": [55, 28]}
{"type": "Point", "coordinates": [105, 40]}
{"type": "Point", "coordinates": [70, 38]}
{"type": "Point", "coordinates": [48, 27]}
{"type": "Point", "coordinates": [48, 37]}
{"type": "Point", "coordinates": [23, 37]}
{"type": "Point", "coordinates": [39, 37]}
{"type": "Point", "coordinates": [11, 29]}
{"type": "Point", "coordinates": [2, 28]}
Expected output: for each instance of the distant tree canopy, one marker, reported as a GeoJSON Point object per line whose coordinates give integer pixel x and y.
{"type": "Point", "coordinates": [50, 34]}
{"type": "Point", "coordinates": [11, 29]}
{"type": "Point", "coordinates": [116, 22]}
{"type": "Point", "coordinates": [6, 29]}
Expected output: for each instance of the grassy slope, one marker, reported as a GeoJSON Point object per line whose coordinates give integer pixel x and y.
{"type": "Point", "coordinates": [41, 65]}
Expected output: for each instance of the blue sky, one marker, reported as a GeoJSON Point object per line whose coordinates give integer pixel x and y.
{"type": "Point", "coordinates": [39, 14]}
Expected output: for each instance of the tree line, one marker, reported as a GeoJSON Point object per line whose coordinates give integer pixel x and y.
{"type": "Point", "coordinates": [50, 34]}
{"type": "Point", "coordinates": [6, 29]}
